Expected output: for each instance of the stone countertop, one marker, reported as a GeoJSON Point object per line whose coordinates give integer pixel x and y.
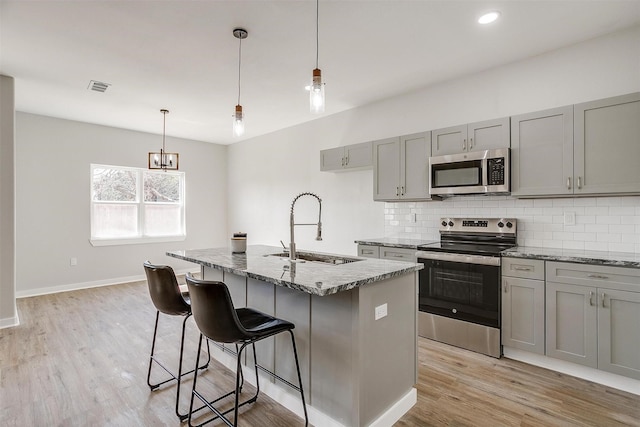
{"type": "Point", "coordinates": [395, 242]}
{"type": "Point", "coordinates": [311, 277]}
{"type": "Point", "coordinates": [616, 259]}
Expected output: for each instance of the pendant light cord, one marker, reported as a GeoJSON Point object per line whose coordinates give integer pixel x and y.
{"type": "Point", "coordinates": [239, 66]}
{"type": "Point", "coordinates": [164, 125]}
{"type": "Point", "coordinates": [317, 31]}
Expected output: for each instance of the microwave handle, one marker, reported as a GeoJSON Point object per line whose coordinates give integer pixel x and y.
{"type": "Point", "coordinates": [485, 175]}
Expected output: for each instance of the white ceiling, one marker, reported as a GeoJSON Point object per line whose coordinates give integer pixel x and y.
{"type": "Point", "coordinates": [181, 55]}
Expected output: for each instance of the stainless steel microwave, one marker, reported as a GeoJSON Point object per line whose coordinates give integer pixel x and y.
{"type": "Point", "coordinates": [476, 172]}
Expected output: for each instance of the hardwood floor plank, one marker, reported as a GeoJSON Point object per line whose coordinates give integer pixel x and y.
{"type": "Point", "coordinates": [80, 358]}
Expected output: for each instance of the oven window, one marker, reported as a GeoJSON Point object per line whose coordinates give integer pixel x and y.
{"type": "Point", "coordinates": [455, 286]}
{"type": "Point", "coordinates": [458, 174]}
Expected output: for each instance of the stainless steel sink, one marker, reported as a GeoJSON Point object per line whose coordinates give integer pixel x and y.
{"type": "Point", "coordinates": [326, 259]}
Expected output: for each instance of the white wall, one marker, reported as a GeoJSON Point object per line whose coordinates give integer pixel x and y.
{"type": "Point", "coordinates": [8, 314]}
{"type": "Point", "coordinates": [265, 173]}
{"type": "Point", "coordinates": [53, 202]}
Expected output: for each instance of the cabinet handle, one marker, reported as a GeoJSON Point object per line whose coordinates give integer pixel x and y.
{"type": "Point", "coordinates": [397, 191]}
{"type": "Point", "coordinates": [579, 182]}
{"type": "Point", "coordinates": [398, 256]}
{"type": "Point", "coordinates": [470, 143]}
{"type": "Point", "coordinates": [597, 276]}
{"type": "Point", "coordinates": [402, 190]}
{"type": "Point", "coordinates": [343, 161]}
{"type": "Point", "coordinates": [464, 144]}
{"type": "Point", "coordinates": [506, 287]}
{"type": "Point", "coordinates": [346, 162]}
{"type": "Point", "coordinates": [569, 183]}
{"type": "Point", "coordinates": [591, 298]}
{"type": "Point", "coordinates": [603, 295]}
{"type": "Point", "coordinates": [523, 268]}
{"type": "Point", "coordinates": [367, 252]}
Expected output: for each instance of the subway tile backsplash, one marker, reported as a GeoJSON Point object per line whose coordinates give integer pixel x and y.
{"type": "Point", "coordinates": [601, 223]}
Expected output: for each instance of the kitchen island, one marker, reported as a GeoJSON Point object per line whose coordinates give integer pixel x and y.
{"type": "Point", "coordinates": [356, 329]}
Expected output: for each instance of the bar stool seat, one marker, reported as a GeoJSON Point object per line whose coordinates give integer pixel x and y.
{"type": "Point", "coordinates": [219, 321]}
{"type": "Point", "coordinates": [168, 299]}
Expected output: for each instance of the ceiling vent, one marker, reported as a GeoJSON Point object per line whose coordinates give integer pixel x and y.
{"type": "Point", "coordinates": [98, 86]}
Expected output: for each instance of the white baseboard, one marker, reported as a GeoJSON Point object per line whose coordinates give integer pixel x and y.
{"type": "Point", "coordinates": [619, 382]}
{"type": "Point", "coordinates": [9, 322]}
{"type": "Point", "coordinates": [396, 412]}
{"type": "Point", "coordinates": [87, 285]}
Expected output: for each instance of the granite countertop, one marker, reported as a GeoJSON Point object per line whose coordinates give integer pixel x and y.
{"type": "Point", "coordinates": [315, 278]}
{"type": "Point", "coordinates": [395, 242]}
{"type": "Point", "coordinates": [617, 259]}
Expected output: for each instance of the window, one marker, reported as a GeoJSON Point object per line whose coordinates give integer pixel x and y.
{"type": "Point", "coordinates": [133, 205]}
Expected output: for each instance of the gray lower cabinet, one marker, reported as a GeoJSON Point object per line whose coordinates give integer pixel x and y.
{"type": "Point", "coordinates": [387, 252]}
{"type": "Point", "coordinates": [593, 316]}
{"type": "Point", "coordinates": [400, 168]}
{"type": "Point", "coordinates": [477, 136]}
{"type": "Point", "coordinates": [523, 304]}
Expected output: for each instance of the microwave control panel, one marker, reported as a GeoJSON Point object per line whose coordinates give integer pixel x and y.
{"type": "Point", "coordinates": [496, 167]}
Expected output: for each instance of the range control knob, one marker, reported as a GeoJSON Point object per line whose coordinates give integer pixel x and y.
{"type": "Point", "coordinates": [454, 311]}
{"type": "Point", "coordinates": [501, 224]}
{"type": "Point", "coordinates": [509, 225]}
{"type": "Point", "coordinates": [450, 223]}
{"type": "Point", "coordinates": [444, 223]}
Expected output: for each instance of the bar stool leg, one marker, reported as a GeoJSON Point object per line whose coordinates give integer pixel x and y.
{"type": "Point", "coordinates": [153, 346]}
{"type": "Point", "coordinates": [295, 354]}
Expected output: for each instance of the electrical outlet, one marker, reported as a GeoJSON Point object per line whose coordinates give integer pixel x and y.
{"type": "Point", "coordinates": [569, 218]}
{"type": "Point", "coordinates": [73, 261]}
{"type": "Point", "coordinates": [381, 311]}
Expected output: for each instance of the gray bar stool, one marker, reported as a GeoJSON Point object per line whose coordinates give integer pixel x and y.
{"type": "Point", "coordinates": [220, 322]}
{"type": "Point", "coordinates": [168, 299]}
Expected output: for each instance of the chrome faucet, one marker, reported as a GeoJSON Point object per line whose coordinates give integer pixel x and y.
{"type": "Point", "coordinates": [292, 224]}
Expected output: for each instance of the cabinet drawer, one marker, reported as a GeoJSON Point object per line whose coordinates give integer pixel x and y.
{"type": "Point", "coordinates": [601, 276]}
{"type": "Point", "coordinates": [369, 251]}
{"type": "Point", "coordinates": [524, 268]}
{"type": "Point", "coordinates": [398, 254]}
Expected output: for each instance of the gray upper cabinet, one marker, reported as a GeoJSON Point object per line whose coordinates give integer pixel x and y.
{"type": "Point", "coordinates": [348, 157]}
{"type": "Point", "coordinates": [585, 149]}
{"type": "Point", "coordinates": [400, 168]}
{"type": "Point", "coordinates": [607, 145]}
{"type": "Point", "coordinates": [477, 136]}
{"type": "Point", "coordinates": [542, 153]}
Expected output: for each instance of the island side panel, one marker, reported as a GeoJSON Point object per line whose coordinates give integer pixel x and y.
{"type": "Point", "coordinates": [333, 342]}
{"type": "Point", "coordinates": [294, 306]}
{"type": "Point", "coordinates": [237, 289]}
{"type": "Point", "coordinates": [261, 296]}
{"type": "Point", "coordinates": [209, 273]}
{"type": "Point", "coordinates": [387, 346]}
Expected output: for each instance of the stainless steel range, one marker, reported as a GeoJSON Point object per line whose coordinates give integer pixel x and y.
{"type": "Point", "coordinates": [459, 290]}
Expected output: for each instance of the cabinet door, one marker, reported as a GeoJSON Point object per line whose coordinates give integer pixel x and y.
{"type": "Point", "coordinates": [488, 134]}
{"type": "Point", "coordinates": [523, 314]}
{"type": "Point", "coordinates": [358, 155]}
{"type": "Point", "coordinates": [607, 145]}
{"type": "Point", "coordinates": [619, 332]}
{"type": "Point", "coordinates": [332, 159]}
{"type": "Point", "coordinates": [386, 169]}
{"type": "Point", "coordinates": [450, 140]}
{"type": "Point", "coordinates": [542, 153]}
{"type": "Point", "coordinates": [414, 166]}
{"type": "Point", "coordinates": [571, 323]}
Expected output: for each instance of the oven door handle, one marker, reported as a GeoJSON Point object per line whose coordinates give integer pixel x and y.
{"type": "Point", "coordinates": [467, 259]}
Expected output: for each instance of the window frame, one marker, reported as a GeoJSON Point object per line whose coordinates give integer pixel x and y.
{"type": "Point", "coordinates": [141, 238]}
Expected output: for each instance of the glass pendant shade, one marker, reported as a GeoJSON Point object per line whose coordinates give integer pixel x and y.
{"type": "Point", "coordinates": [316, 93]}
{"type": "Point", "coordinates": [238, 121]}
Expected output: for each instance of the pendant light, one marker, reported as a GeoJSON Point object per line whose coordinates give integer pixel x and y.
{"type": "Point", "coordinates": [163, 160]}
{"type": "Point", "coordinates": [238, 116]}
{"type": "Point", "coordinates": [316, 89]}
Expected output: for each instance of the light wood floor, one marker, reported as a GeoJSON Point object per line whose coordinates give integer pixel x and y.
{"type": "Point", "coordinates": [80, 359]}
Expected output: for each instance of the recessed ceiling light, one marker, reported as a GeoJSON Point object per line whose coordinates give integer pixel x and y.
{"type": "Point", "coordinates": [488, 17]}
